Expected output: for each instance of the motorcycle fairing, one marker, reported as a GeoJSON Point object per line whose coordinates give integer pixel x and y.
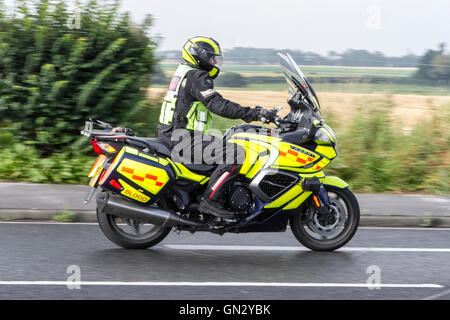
{"type": "Point", "coordinates": [265, 153]}
{"type": "Point", "coordinates": [184, 173]}
{"type": "Point", "coordinates": [335, 182]}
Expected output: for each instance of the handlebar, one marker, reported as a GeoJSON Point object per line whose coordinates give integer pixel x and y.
{"type": "Point", "coordinates": [278, 121]}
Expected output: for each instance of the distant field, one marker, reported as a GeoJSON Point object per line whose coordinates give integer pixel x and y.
{"type": "Point", "coordinates": [310, 70]}
{"type": "Point", "coordinates": [350, 79]}
{"type": "Point", "coordinates": [384, 88]}
{"type": "Point", "coordinates": [407, 108]}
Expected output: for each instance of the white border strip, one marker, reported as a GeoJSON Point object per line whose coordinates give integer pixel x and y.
{"type": "Point", "coordinates": [279, 248]}
{"type": "Point", "coordinates": [216, 284]}
{"type": "Point", "coordinates": [96, 224]}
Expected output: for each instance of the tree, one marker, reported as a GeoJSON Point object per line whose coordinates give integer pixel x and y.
{"type": "Point", "coordinates": [54, 76]}
{"type": "Point", "coordinates": [440, 70]}
{"type": "Point", "coordinates": [434, 66]}
{"type": "Point", "coordinates": [231, 79]}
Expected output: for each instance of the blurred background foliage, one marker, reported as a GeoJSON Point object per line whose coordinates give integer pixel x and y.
{"type": "Point", "coordinates": [350, 57]}
{"type": "Point", "coordinates": [231, 79]}
{"type": "Point", "coordinates": [377, 154]}
{"type": "Point", "coordinates": [53, 77]}
{"type": "Point", "coordinates": [357, 71]}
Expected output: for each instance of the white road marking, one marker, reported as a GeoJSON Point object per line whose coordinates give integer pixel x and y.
{"type": "Point", "coordinates": [282, 248]}
{"type": "Point", "coordinates": [404, 228]}
{"type": "Point", "coordinates": [216, 284]}
{"type": "Point", "coordinates": [438, 295]}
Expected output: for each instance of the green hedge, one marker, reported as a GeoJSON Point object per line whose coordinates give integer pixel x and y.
{"type": "Point", "coordinates": [54, 77]}
{"type": "Point", "coordinates": [23, 162]}
{"type": "Point", "coordinates": [231, 79]}
{"type": "Point", "coordinates": [377, 155]}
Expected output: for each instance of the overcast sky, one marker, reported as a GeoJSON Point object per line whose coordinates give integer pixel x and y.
{"type": "Point", "coordinates": [394, 27]}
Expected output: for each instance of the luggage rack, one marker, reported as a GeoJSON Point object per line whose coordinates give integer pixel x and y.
{"type": "Point", "coordinates": [106, 134]}
{"type": "Point", "coordinates": [90, 132]}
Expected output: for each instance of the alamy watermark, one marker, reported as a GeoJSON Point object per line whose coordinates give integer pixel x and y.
{"type": "Point", "coordinates": [373, 21]}
{"type": "Point", "coordinates": [74, 278]}
{"type": "Point", "coordinates": [192, 147]}
{"type": "Point", "coordinates": [74, 20]}
{"type": "Point", "coordinates": [374, 280]}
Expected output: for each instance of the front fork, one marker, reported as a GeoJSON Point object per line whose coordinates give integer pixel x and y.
{"type": "Point", "coordinates": [320, 195]}
{"type": "Point", "coordinates": [323, 196]}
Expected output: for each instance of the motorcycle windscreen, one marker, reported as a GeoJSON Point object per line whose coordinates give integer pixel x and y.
{"type": "Point", "coordinates": [297, 80]}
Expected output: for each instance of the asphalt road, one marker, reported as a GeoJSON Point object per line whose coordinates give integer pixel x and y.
{"type": "Point", "coordinates": [412, 264]}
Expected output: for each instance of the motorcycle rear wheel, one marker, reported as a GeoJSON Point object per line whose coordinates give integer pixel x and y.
{"type": "Point", "coordinates": [120, 232]}
{"type": "Point", "coordinates": [309, 231]}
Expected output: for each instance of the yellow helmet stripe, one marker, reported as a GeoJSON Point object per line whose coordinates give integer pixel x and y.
{"type": "Point", "coordinates": [209, 41]}
{"type": "Point", "coordinates": [213, 72]}
{"type": "Point", "coordinates": [187, 56]}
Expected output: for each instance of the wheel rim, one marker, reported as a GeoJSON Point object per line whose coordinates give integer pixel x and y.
{"type": "Point", "coordinates": [134, 229]}
{"type": "Point", "coordinates": [335, 227]}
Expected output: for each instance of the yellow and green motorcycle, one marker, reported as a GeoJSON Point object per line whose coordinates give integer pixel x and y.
{"type": "Point", "coordinates": [145, 193]}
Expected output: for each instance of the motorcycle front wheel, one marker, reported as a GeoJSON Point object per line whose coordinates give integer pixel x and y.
{"type": "Point", "coordinates": [327, 234]}
{"type": "Point", "coordinates": [130, 233]}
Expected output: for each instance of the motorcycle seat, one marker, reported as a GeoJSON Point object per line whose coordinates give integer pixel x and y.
{"type": "Point", "coordinates": [201, 168]}
{"type": "Point", "coordinates": [158, 145]}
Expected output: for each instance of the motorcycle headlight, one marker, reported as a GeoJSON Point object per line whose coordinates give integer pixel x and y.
{"type": "Point", "coordinates": [325, 135]}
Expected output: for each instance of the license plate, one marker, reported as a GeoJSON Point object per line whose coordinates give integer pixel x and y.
{"type": "Point", "coordinates": [98, 163]}
{"type": "Point", "coordinates": [96, 170]}
{"type": "Point", "coordinates": [96, 176]}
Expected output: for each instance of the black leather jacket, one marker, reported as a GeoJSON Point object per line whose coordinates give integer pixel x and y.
{"type": "Point", "coordinates": [199, 86]}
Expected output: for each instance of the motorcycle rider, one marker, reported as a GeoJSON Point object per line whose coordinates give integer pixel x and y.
{"type": "Point", "coordinates": [189, 104]}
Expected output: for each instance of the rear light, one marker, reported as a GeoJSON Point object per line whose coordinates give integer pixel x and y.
{"type": "Point", "coordinates": [96, 147]}
{"type": "Point", "coordinates": [101, 147]}
{"type": "Point", "coordinates": [110, 149]}
{"type": "Point", "coordinates": [115, 184]}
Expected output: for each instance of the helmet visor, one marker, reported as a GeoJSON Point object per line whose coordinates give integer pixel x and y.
{"type": "Point", "coordinates": [216, 61]}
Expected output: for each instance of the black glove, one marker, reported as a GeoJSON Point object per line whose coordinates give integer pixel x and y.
{"type": "Point", "coordinates": [267, 116]}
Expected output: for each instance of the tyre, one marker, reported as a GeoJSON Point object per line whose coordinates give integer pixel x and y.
{"type": "Point", "coordinates": [129, 233]}
{"type": "Point", "coordinates": [333, 232]}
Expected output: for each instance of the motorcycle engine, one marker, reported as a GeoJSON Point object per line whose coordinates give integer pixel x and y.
{"type": "Point", "coordinates": [238, 198]}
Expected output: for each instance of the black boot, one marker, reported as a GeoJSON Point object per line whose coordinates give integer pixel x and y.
{"type": "Point", "coordinates": [215, 208]}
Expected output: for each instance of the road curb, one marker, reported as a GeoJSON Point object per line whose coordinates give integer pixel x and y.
{"type": "Point", "coordinates": [45, 215]}
{"type": "Point", "coordinates": [365, 221]}
{"type": "Point", "coordinates": [404, 221]}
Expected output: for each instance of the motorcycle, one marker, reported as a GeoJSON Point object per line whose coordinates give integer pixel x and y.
{"type": "Point", "coordinates": [145, 193]}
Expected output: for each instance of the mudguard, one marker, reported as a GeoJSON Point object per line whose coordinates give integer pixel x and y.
{"type": "Point", "coordinates": [335, 182]}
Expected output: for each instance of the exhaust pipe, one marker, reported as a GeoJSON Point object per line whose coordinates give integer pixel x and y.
{"type": "Point", "coordinates": [125, 209]}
